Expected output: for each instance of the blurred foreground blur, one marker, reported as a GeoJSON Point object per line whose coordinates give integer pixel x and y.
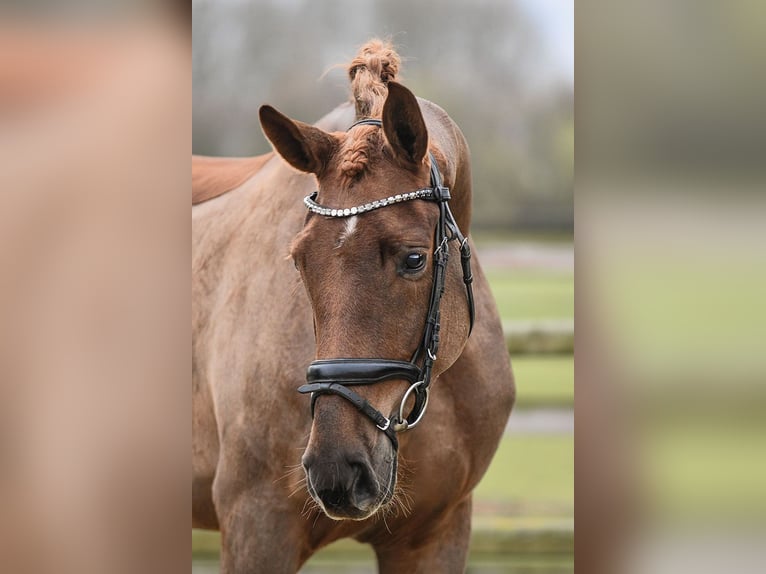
{"type": "Point", "coordinates": [671, 323]}
{"type": "Point", "coordinates": [94, 250]}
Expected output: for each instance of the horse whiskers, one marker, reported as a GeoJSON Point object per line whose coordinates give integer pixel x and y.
{"type": "Point", "coordinates": [383, 516]}
{"type": "Point", "coordinates": [404, 502]}
{"type": "Point", "coordinates": [290, 473]}
{"type": "Point", "coordinates": [299, 488]}
{"type": "Point", "coordinates": [308, 507]}
{"type": "Point", "coordinates": [401, 501]}
{"type": "Point", "coordinates": [293, 469]}
{"type": "Point", "coordinates": [316, 518]}
{"type": "Point", "coordinates": [296, 288]}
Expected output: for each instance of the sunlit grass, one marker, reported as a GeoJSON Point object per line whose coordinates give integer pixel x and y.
{"type": "Point", "coordinates": [532, 294]}
{"type": "Point", "coordinates": [530, 475]}
{"type": "Point", "coordinates": [533, 475]}
{"type": "Point", "coordinates": [544, 380]}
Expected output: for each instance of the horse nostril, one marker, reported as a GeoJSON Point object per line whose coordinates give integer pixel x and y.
{"type": "Point", "coordinates": [364, 490]}
{"type": "Point", "coordinates": [307, 461]}
{"type": "Point", "coordinates": [333, 497]}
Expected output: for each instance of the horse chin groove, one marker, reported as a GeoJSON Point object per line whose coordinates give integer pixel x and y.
{"type": "Point", "coordinates": [347, 511]}
{"type": "Point", "coordinates": [357, 515]}
{"type": "Point", "coordinates": [352, 511]}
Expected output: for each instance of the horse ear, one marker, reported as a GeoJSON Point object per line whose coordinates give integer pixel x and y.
{"type": "Point", "coordinates": [303, 146]}
{"type": "Point", "coordinates": [403, 124]}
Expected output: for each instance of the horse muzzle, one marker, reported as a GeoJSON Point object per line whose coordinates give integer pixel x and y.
{"type": "Point", "coordinates": [347, 487]}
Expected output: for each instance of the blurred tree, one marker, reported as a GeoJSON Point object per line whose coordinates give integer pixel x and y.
{"type": "Point", "coordinates": [483, 62]}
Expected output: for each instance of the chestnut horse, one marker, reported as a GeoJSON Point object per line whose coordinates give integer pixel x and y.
{"type": "Point", "coordinates": [348, 284]}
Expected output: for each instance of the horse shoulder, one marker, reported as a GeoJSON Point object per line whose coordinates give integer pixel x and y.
{"type": "Point", "coordinates": [214, 176]}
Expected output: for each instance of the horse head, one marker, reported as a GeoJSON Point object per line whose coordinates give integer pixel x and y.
{"type": "Point", "coordinates": [368, 255]}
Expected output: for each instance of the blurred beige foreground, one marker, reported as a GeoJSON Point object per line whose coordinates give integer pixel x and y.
{"type": "Point", "coordinates": [94, 142]}
{"type": "Point", "coordinates": [671, 275]}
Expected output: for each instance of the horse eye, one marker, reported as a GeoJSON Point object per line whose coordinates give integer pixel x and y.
{"type": "Point", "coordinates": [414, 261]}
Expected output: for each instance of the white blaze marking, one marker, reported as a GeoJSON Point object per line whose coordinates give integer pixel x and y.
{"type": "Point", "coordinates": [348, 230]}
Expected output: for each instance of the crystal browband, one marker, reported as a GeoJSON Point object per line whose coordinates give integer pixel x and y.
{"type": "Point", "coordinates": [435, 194]}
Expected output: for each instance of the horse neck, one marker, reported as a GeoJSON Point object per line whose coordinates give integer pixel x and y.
{"type": "Point", "coordinates": [247, 231]}
{"type": "Point", "coordinates": [246, 214]}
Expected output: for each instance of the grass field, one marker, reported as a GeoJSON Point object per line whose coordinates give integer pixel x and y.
{"type": "Point", "coordinates": [541, 380]}
{"type": "Point", "coordinates": [531, 475]}
{"type": "Point", "coordinates": [532, 294]}
{"type": "Point", "coordinates": [544, 380]}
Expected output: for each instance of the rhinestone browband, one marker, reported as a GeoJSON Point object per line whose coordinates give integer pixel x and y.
{"type": "Point", "coordinates": [314, 207]}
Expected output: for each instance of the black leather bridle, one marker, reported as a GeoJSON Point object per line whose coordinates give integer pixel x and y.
{"type": "Point", "coordinates": [334, 376]}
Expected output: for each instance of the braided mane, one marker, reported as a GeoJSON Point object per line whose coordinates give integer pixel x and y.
{"type": "Point", "coordinates": [374, 66]}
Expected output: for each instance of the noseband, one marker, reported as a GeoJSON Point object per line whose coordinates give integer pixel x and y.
{"type": "Point", "coordinates": [334, 376]}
